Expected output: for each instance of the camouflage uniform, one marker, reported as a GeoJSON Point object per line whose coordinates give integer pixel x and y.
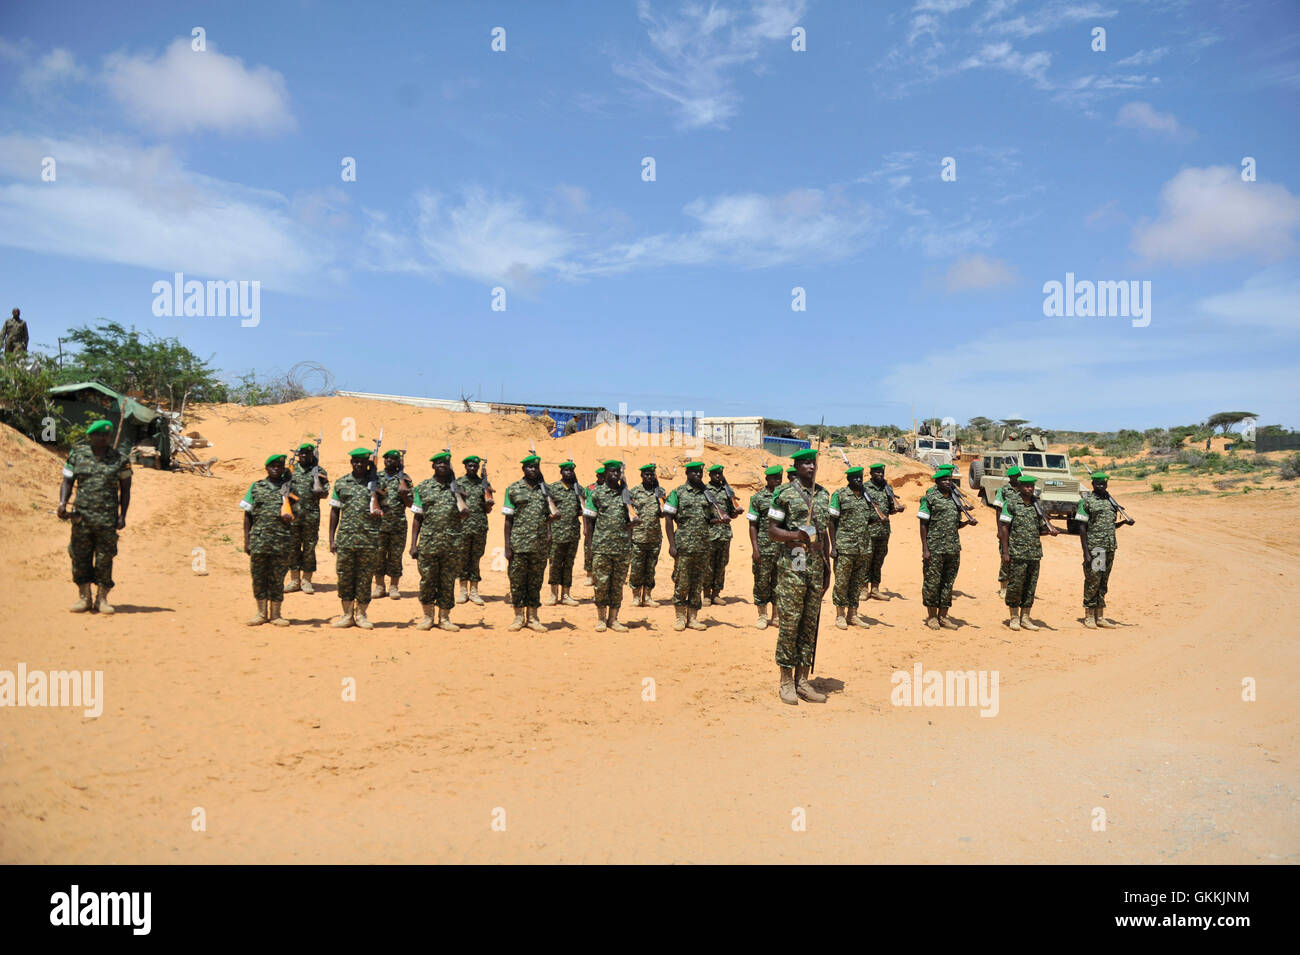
{"type": "Point", "coordinates": [269, 540]}
{"type": "Point", "coordinates": [473, 535]}
{"type": "Point", "coordinates": [392, 529]}
{"type": "Point", "coordinates": [586, 550]}
{"type": "Point", "coordinates": [14, 334]}
{"type": "Point", "coordinates": [852, 545]}
{"type": "Point", "coordinates": [1099, 514]}
{"type": "Point", "coordinates": [528, 540]}
{"type": "Point", "coordinates": [566, 532]}
{"type": "Point", "coordinates": [647, 539]}
{"type": "Point", "coordinates": [800, 574]}
{"type": "Point", "coordinates": [94, 526]}
{"type": "Point", "coordinates": [356, 537]}
{"type": "Point", "coordinates": [440, 546]}
{"type": "Point", "coordinates": [304, 532]}
{"type": "Point", "coordinates": [941, 517]}
{"type": "Point", "coordinates": [878, 531]}
{"type": "Point", "coordinates": [999, 498]}
{"type": "Point", "coordinates": [765, 566]}
{"type": "Point", "coordinates": [1024, 548]}
{"type": "Point", "coordinates": [611, 544]}
{"type": "Point", "coordinates": [719, 541]}
{"type": "Point", "coordinates": [692, 514]}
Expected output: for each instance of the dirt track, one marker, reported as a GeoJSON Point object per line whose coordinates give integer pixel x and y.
{"type": "Point", "coordinates": [1146, 721]}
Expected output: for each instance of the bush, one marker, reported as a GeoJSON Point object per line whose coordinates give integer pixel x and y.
{"type": "Point", "coordinates": [1193, 459]}
{"type": "Point", "coordinates": [1081, 451]}
{"type": "Point", "coordinates": [1158, 488]}
{"type": "Point", "coordinates": [1163, 467]}
{"type": "Point", "coordinates": [1140, 473]}
{"type": "Point", "coordinates": [25, 403]}
{"type": "Point", "coordinates": [1290, 468]}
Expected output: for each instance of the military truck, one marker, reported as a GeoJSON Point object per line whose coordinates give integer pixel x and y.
{"type": "Point", "coordinates": [1057, 488]}
{"type": "Point", "coordinates": [929, 450]}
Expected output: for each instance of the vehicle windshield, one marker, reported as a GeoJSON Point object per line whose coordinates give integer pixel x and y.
{"type": "Point", "coordinates": [1032, 460]}
{"type": "Point", "coordinates": [942, 445]}
{"type": "Point", "coordinates": [924, 444]}
{"type": "Point", "coordinates": [1056, 462]}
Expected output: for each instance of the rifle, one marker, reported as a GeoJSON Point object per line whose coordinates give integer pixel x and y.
{"type": "Point", "coordinates": [546, 488]}
{"type": "Point", "coordinates": [487, 485]}
{"type": "Point", "coordinates": [731, 495]}
{"type": "Point", "coordinates": [315, 470]}
{"type": "Point", "coordinates": [957, 498]}
{"type": "Point", "coordinates": [372, 478]}
{"type": "Point", "coordinates": [287, 497]}
{"type": "Point", "coordinates": [660, 493]}
{"type": "Point", "coordinates": [708, 496]}
{"type": "Point", "coordinates": [1119, 510]}
{"type": "Point", "coordinates": [1042, 514]}
{"type": "Point", "coordinates": [455, 484]}
{"type": "Point", "coordinates": [865, 495]}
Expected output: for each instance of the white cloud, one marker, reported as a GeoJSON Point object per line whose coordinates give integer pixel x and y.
{"type": "Point", "coordinates": [1146, 117]}
{"type": "Point", "coordinates": [1209, 214]}
{"type": "Point", "coordinates": [1053, 16]}
{"type": "Point", "coordinates": [183, 91]}
{"type": "Point", "coordinates": [55, 67]}
{"type": "Point", "coordinates": [1144, 57]}
{"type": "Point", "coordinates": [1270, 299]}
{"type": "Point", "coordinates": [698, 51]}
{"type": "Point", "coordinates": [1032, 66]}
{"type": "Point", "coordinates": [978, 272]}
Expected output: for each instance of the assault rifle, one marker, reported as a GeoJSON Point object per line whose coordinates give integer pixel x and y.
{"type": "Point", "coordinates": [487, 485]}
{"type": "Point", "coordinates": [1124, 518]}
{"type": "Point", "coordinates": [287, 497]}
{"type": "Point", "coordinates": [546, 488]}
{"type": "Point", "coordinates": [315, 469]}
{"type": "Point", "coordinates": [455, 484]}
{"type": "Point", "coordinates": [957, 498]}
{"type": "Point", "coordinates": [867, 497]}
{"type": "Point", "coordinates": [372, 477]}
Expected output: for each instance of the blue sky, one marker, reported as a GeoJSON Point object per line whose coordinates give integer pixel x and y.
{"type": "Point", "coordinates": [775, 169]}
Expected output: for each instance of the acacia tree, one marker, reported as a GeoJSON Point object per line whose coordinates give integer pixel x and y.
{"type": "Point", "coordinates": [158, 370]}
{"type": "Point", "coordinates": [1227, 420]}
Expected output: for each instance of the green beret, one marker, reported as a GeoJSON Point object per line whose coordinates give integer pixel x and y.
{"type": "Point", "coordinates": [1100, 476]}
{"type": "Point", "coordinates": [359, 453]}
{"type": "Point", "coordinates": [441, 456]}
{"type": "Point", "coordinates": [1013, 471]}
{"type": "Point", "coordinates": [851, 471]}
{"type": "Point", "coordinates": [694, 465]}
{"type": "Point", "coordinates": [566, 464]}
{"type": "Point", "coordinates": [647, 467]}
{"type": "Point", "coordinates": [772, 469]}
{"type": "Point", "coordinates": [273, 458]}
{"type": "Point", "coordinates": [600, 470]}
{"type": "Point", "coordinates": [531, 459]}
{"type": "Point", "coordinates": [877, 467]}
{"type": "Point", "coordinates": [791, 470]}
{"type": "Point", "coordinates": [714, 467]}
{"type": "Point", "coordinates": [804, 454]}
{"type": "Point", "coordinates": [940, 474]}
{"type": "Point", "coordinates": [945, 467]}
{"type": "Point", "coordinates": [100, 425]}
{"type": "Point", "coordinates": [393, 453]}
{"type": "Point", "coordinates": [613, 463]}
{"type": "Point", "coordinates": [1027, 479]}
{"type": "Point", "coordinates": [306, 446]}
{"type": "Point", "coordinates": [470, 459]}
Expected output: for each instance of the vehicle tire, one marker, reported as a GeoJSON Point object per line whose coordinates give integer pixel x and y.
{"type": "Point", "coordinates": [976, 472]}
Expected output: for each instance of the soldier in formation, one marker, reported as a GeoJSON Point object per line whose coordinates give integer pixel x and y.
{"type": "Point", "coordinates": [586, 537]}
{"type": "Point", "coordinates": [647, 537]}
{"type": "Point", "coordinates": [850, 522]}
{"type": "Point", "coordinates": [689, 516]}
{"type": "Point", "coordinates": [941, 520]}
{"type": "Point", "coordinates": [1020, 525]}
{"type": "Point", "coordinates": [527, 510]}
{"type": "Point", "coordinates": [268, 538]}
{"type": "Point", "coordinates": [355, 519]}
{"type": "Point", "coordinates": [606, 514]}
{"type": "Point", "coordinates": [309, 484]}
{"type": "Point", "coordinates": [719, 536]}
{"type": "Point", "coordinates": [392, 528]}
{"type": "Point", "coordinates": [886, 504]}
{"type": "Point", "coordinates": [566, 535]}
{"type": "Point", "coordinates": [762, 548]}
{"type": "Point", "coordinates": [1000, 495]}
{"type": "Point", "coordinates": [798, 521]}
{"type": "Point", "coordinates": [1099, 514]}
{"type": "Point", "coordinates": [441, 513]}
{"type": "Point", "coordinates": [102, 477]}
{"type": "Point", "coordinates": [477, 492]}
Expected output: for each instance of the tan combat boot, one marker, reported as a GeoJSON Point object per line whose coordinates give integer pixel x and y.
{"type": "Point", "coordinates": [1014, 622]}
{"type": "Point", "coordinates": [273, 615]}
{"type": "Point", "coordinates": [612, 617]}
{"type": "Point", "coordinates": [707, 599]}
{"type": "Point", "coordinates": [646, 599]}
{"type": "Point", "coordinates": [567, 598]}
{"type": "Point", "coordinates": [805, 688]}
{"type": "Point", "coordinates": [83, 600]}
{"type": "Point", "coordinates": [1090, 618]}
{"type": "Point", "coordinates": [680, 623]}
{"type": "Point", "coordinates": [840, 621]}
{"type": "Point", "coordinates": [307, 588]}
{"type": "Point", "coordinates": [446, 624]}
{"type": "Point", "coordinates": [379, 590]}
{"type": "Point", "coordinates": [761, 622]}
{"type": "Point", "coordinates": [551, 599]}
{"type": "Point", "coordinates": [600, 619]}
{"type": "Point", "coordinates": [857, 619]}
{"type": "Point", "coordinates": [876, 594]}
{"type": "Point", "coordinates": [295, 582]}
{"type": "Point", "coordinates": [518, 625]}
{"type": "Point", "coordinates": [347, 620]}
{"type": "Point", "coordinates": [1002, 591]}
{"type": "Point", "coordinates": [1025, 622]}
{"type": "Point", "coordinates": [533, 623]}
{"type": "Point", "coordinates": [945, 621]}
{"type": "Point", "coordinates": [693, 619]}
{"type": "Point", "coordinates": [473, 596]}
{"type": "Point", "coordinates": [261, 615]}
{"type": "Point", "coordinates": [1102, 620]}
{"type": "Point", "coordinates": [462, 592]}
{"type": "Point", "coordinates": [429, 621]}
{"type": "Point", "coordinates": [359, 616]}
{"type": "Point", "coordinates": [392, 588]}
{"type": "Point", "coordinates": [932, 618]}
{"type": "Point", "coordinates": [103, 606]}
{"type": "Point", "coordinates": [788, 694]}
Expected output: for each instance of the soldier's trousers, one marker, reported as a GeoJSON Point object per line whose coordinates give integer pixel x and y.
{"type": "Point", "coordinates": [645, 558]}
{"type": "Point", "coordinates": [355, 568]}
{"type": "Point", "coordinates": [268, 572]}
{"type": "Point", "coordinates": [473, 543]}
{"type": "Point", "coordinates": [586, 557]}
{"type": "Point", "coordinates": [526, 573]}
{"type": "Point", "coordinates": [1022, 582]}
{"type": "Point", "coordinates": [92, 550]}
{"type": "Point", "coordinates": [688, 578]}
{"type": "Point", "coordinates": [939, 576]}
{"type": "Point", "coordinates": [850, 576]}
{"type": "Point", "coordinates": [765, 578]}
{"type": "Point", "coordinates": [716, 572]}
{"type": "Point", "coordinates": [392, 541]}
{"type": "Point", "coordinates": [798, 601]}
{"type": "Point", "coordinates": [563, 554]}
{"type": "Point", "coordinates": [879, 548]}
{"type": "Point", "coordinates": [305, 533]}
{"type": "Point", "coordinates": [1096, 576]}
{"type": "Point", "coordinates": [608, 573]}
{"type": "Point", "coordinates": [438, 569]}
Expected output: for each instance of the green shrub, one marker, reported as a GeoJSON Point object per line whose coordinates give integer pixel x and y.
{"type": "Point", "coordinates": [1158, 488]}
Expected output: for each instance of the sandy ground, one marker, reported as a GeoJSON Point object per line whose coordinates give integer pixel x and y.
{"type": "Point", "coordinates": [552, 733]}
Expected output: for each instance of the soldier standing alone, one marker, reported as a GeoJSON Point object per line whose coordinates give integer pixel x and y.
{"type": "Point", "coordinates": [1097, 511]}
{"type": "Point", "coordinates": [102, 476]}
{"type": "Point", "coordinates": [940, 522]}
{"type": "Point", "coordinates": [566, 535]}
{"type": "Point", "coordinates": [310, 485]}
{"type": "Point", "coordinates": [611, 545]}
{"type": "Point", "coordinates": [528, 539]}
{"type": "Point", "coordinates": [268, 537]}
{"type": "Point", "coordinates": [647, 537]}
{"type": "Point", "coordinates": [478, 498]}
{"type": "Point", "coordinates": [354, 536]}
{"type": "Point", "coordinates": [762, 548]}
{"type": "Point", "coordinates": [440, 514]}
{"type": "Point", "coordinates": [14, 335]}
{"type": "Point", "coordinates": [392, 529]}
